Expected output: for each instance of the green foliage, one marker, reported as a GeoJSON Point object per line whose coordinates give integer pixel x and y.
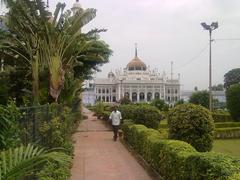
{"type": "Point", "coordinates": [221, 116]}
{"type": "Point", "coordinates": [141, 114]}
{"type": "Point", "coordinates": [99, 108]}
{"type": "Point", "coordinates": [125, 100]}
{"type": "Point", "coordinates": [53, 171]}
{"type": "Point", "coordinates": [22, 161]}
{"type": "Point", "coordinates": [212, 166]}
{"type": "Point", "coordinates": [174, 159]}
{"type": "Point", "coordinates": [160, 104]}
{"type": "Point", "coordinates": [193, 124]}
{"type": "Point", "coordinates": [181, 101]}
{"type": "Point", "coordinates": [9, 129]}
{"type": "Point", "coordinates": [227, 133]}
{"type": "Point", "coordinates": [57, 132]}
{"type": "Point", "coordinates": [232, 77]}
{"type": "Point", "coordinates": [219, 87]}
{"type": "Point", "coordinates": [227, 124]}
{"type": "Point", "coordinates": [200, 98]}
{"type": "Point", "coordinates": [233, 101]}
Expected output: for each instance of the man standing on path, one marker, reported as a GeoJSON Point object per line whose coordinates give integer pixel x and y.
{"type": "Point", "coordinates": [115, 117]}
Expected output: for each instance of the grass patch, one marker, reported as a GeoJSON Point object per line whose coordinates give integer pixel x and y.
{"type": "Point", "coordinates": [227, 146]}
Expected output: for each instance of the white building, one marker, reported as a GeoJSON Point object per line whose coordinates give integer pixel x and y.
{"type": "Point", "coordinates": [137, 82]}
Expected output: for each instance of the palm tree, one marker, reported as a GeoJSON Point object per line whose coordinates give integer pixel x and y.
{"type": "Point", "coordinates": [55, 42]}
{"type": "Point", "coordinates": [22, 161]}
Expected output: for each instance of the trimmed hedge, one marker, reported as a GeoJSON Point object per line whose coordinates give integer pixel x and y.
{"type": "Point", "coordinates": [227, 124]}
{"type": "Point", "coordinates": [227, 133]}
{"type": "Point", "coordinates": [174, 159]}
{"type": "Point", "coordinates": [141, 114]}
{"type": "Point", "coordinates": [221, 117]}
{"type": "Point", "coordinates": [192, 124]}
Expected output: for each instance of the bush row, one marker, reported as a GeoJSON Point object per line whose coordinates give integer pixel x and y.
{"type": "Point", "coordinates": [227, 124]}
{"type": "Point", "coordinates": [221, 117]}
{"type": "Point", "coordinates": [142, 114]}
{"type": "Point", "coordinates": [227, 133]}
{"type": "Point", "coordinates": [174, 159]}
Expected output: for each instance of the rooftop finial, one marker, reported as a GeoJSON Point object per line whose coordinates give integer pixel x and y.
{"type": "Point", "coordinates": [136, 50]}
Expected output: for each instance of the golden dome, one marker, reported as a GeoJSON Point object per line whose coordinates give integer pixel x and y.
{"type": "Point", "coordinates": [136, 64]}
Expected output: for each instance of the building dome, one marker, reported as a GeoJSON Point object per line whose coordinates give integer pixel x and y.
{"type": "Point", "coordinates": [111, 75]}
{"type": "Point", "coordinates": [136, 64]}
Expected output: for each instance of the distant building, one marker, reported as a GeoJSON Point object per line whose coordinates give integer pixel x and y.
{"type": "Point", "coordinates": [137, 82]}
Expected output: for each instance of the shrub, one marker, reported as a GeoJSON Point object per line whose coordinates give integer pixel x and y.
{"type": "Point", "coordinates": [193, 124]}
{"type": "Point", "coordinates": [227, 133]}
{"type": "Point", "coordinates": [9, 127]}
{"type": "Point", "coordinates": [200, 98]}
{"type": "Point", "coordinates": [233, 101]}
{"type": "Point", "coordinates": [159, 103]}
{"type": "Point", "coordinates": [141, 114]}
{"type": "Point", "coordinates": [174, 159]}
{"type": "Point", "coordinates": [125, 100]}
{"type": "Point", "coordinates": [221, 117]}
{"type": "Point", "coordinates": [211, 166]}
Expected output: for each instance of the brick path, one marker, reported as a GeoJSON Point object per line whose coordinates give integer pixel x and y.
{"type": "Point", "coordinates": [98, 157]}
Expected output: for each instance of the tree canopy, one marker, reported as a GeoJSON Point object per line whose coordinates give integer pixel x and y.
{"type": "Point", "coordinates": [232, 77]}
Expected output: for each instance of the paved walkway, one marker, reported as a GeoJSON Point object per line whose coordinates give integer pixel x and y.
{"type": "Point", "coordinates": [98, 157]}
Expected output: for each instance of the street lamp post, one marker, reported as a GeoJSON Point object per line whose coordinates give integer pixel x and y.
{"type": "Point", "coordinates": [210, 28]}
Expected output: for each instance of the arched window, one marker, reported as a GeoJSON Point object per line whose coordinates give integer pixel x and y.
{"type": "Point", "coordinates": [149, 96]}
{"type": "Point", "coordinates": [103, 98]}
{"type": "Point", "coordinates": [103, 91]}
{"type": "Point", "coordinates": [134, 97]}
{"type": "Point", "coordinates": [99, 91]}
{"type": "Point", "coordinates": [107, 99]}
{"type": "Point", "coordinates": [157, 95]}
{"type": "Point", "coordinates": [107, 91]}
{"type": "Point", "coordinates": [168, 91]}
{"type": "Point", "coordinates": [126, 94]}
{"type": "Point", "coordinates": [141, 96]}
{"type": "Point", "coordinates": [168, 98]}
{"type": "Point", "coordinates": [114, 99]}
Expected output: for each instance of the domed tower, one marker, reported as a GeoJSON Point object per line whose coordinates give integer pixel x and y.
{"type": "Point", "coordinates": [76, 6]}
{"type": "Point", "coordinates": [136, 64]}
{"type": "Point", "coordinates": [111, 75]}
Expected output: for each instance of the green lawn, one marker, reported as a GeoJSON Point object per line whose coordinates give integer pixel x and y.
{"type": "Point", "coordinates": [228, 146]}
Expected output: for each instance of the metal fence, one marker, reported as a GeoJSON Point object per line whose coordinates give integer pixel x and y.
{"type": "Point", "coordinates": [33, 117]}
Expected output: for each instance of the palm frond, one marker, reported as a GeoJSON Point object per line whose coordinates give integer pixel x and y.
{"type": "Point", "coordinates": [21, 161]}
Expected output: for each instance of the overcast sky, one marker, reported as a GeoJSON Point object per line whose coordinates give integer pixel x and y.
{"type": "Point", "coordinates": [169, 30]}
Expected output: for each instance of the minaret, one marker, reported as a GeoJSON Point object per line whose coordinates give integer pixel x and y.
{"type": "Point", "coordinates": [136, 55]}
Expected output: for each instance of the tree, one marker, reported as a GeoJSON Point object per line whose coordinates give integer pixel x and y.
{"type": "Point", "coordinates": [219, 87]}
{"type": "Point", "coordinates": [55, 43]}
{"type": "Point", "coordinates": [232, 77]}
{"type": "Point", "coordinates": [200, 98]}
{"type": "Point", "coordinates": [233, 101]}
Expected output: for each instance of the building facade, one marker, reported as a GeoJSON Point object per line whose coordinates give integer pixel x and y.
{"type": "Point", "coordinates": [137, 82]}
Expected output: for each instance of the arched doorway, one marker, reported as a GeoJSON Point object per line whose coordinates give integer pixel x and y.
{"type": "Point", "coordinates": [141, 96]}
{"type": "Point", "coordinates": [149, 96]}
{"type": "Point", "coordinates": [157, 95]}
{"type": "Point", "coordinates": [126, 95]}
{"type": "Point", "coordinates": [134, 97]}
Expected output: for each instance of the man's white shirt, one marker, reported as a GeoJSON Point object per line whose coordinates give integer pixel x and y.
{"type": "Point", "coordinates": [115, 117]}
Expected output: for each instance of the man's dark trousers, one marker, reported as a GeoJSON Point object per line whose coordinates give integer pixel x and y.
{"type": "Point", "coordinates": [115, 131]}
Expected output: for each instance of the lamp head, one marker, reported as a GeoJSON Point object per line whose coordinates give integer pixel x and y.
{"type": "Point", "coordinates": [214, 25]}
{"type": "Point", "coordinates": [205, 26]}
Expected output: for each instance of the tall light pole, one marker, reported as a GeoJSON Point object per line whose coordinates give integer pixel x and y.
{"type": "Point", "coordinates": [210, 28]}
